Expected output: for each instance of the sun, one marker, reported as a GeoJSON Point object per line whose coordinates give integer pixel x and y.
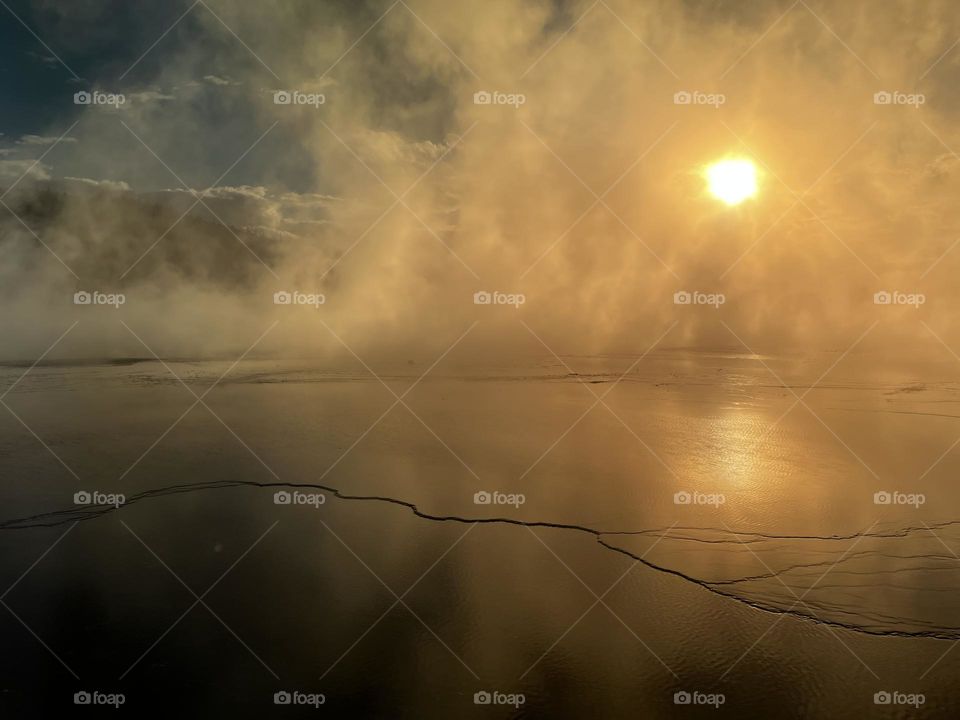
{"type": "Point", "coordinates": [732, 181]}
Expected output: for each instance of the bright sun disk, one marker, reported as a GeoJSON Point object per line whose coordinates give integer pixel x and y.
{"type": "Point", "coordinates": [732, 181]}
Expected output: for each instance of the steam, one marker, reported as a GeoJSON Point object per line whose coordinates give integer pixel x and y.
{"type": "Point", "coordinates": [587, 198]}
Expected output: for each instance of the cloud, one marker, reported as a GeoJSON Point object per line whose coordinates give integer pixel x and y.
{"type": "Point", "coordinates": [12, 170]}
{"type": "Point", "coordinates": [48, 60]}
{"type": "Point", "coordinates": [148, 96]}
{"type": "Point", "coordinates": [399, 197]}
{"type": "Point", "coordinates": [117, 185]}
{"type": "Point", "coordinates": [42, 140]}
{"type": "Point", "coordinates": [214, 80]}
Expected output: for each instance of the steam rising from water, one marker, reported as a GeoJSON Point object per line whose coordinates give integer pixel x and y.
{"type": "Point", "coordinates": [856, 197]}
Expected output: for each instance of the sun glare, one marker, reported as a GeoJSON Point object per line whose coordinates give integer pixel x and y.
{"type": "Point", "coordinates": [732, 181]}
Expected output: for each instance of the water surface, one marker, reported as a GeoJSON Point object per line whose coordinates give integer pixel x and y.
{"type": "Point", "coordinates": [782, 585]}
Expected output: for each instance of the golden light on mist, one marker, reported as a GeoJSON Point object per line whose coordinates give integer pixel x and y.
{"type": "Point", "coordinates": [732, 181]}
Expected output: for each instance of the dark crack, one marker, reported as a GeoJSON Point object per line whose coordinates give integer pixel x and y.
{"type": "Point", "coordinates": [722, 587]}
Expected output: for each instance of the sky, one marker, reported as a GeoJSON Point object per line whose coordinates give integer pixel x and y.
{"type": "Point", "coordinates": [387, 188]}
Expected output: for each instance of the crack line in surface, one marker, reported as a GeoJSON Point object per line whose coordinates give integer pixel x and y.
{"type": "Point", "coordinates": [59, 517]}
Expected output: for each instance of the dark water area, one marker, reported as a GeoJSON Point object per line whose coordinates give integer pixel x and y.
{"type": "Point", "coordinates": [502, 534]}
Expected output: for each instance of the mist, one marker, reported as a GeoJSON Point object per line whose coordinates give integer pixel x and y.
{"type": "Point", "coordinates": [397, 196]}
